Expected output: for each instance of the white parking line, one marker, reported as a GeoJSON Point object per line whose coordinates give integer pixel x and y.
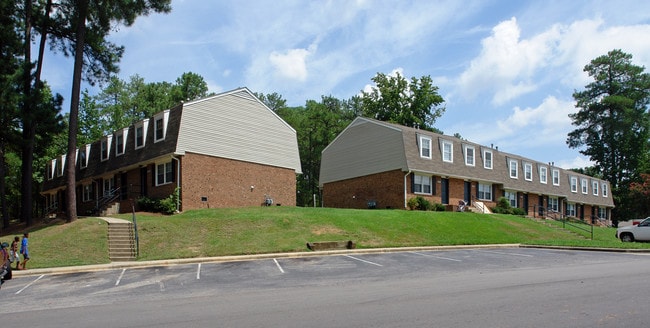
{"type": "Point", "coordinates": [198, 272]}
{"type": "Point", "coordinates": [278, 264]}
{"type": "Point", "coordinates": [120, 277]}
{"type": "Point", "coordinates": [504, 253]}
{"type": "Point", "coordinates": [437, 257]}
{"type": "Point", "coordinates": [31, 283]}
{"type": "Point", "coordinates": [358, 259]}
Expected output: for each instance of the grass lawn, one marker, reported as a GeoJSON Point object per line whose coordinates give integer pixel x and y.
{"type": "Point", "coordinates": [216, 232]}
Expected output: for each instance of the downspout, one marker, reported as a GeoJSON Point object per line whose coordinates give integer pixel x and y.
{"type": "Point", "coordinates": [178, 182]}
{"type": "Point", "coordinates": [406, 189]}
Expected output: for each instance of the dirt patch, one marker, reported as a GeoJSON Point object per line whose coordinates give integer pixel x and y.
{"type": "Point", "coordinates": [323, 230]}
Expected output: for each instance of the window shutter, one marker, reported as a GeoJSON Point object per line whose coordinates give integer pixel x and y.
{"type": "Point", "coordinates": [153, 175]}
{"type": "Point", "coordinates": [494, 192]}
{"type": "Point", "coordinates": [173, 171]}
{"type": "Point", "coordinates": [433, 185]}
{"type": "Point", "coordinates": [412, 182]}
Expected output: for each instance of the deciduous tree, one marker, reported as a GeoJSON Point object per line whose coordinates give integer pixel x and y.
{"type": "Point", "coordinates": [410, 103]}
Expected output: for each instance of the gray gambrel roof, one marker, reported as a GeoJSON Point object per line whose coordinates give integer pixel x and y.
{"type": "Point", "coordinates": [369, 146]}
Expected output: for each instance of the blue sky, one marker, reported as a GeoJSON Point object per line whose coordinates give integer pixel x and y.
{"type": "Point", "coordinates": [506, 69]}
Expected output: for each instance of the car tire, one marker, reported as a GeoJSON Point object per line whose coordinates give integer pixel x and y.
{"type": "Point", "coordinates": [627, 237]}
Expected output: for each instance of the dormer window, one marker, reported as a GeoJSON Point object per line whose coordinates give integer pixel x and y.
{"type": "Point", "coordinates": [106, 145]}
{"type": "Point", "coordinates": [425, 147]}
{"type": "Point", "coordinates": [604, 189]}
{"type": "Point", "coordinates": [141, 133]}
{"type": "Point", "coordinates": [543, 174]}
{"type": "Point", "coordinates": [120, 141]}
{"type": "Point", "coordinates": [61, 166]}
{"type": "Point", "coordinates": [469, 155]}
{"type": "Point", "coordinates": [574, 184]}
{"type": "Point", "coordinates": [160, 126]}
{"type": "Point", "coordinates": [447, 152]}
{"type": "Point", "coordinates": [84, 154]}
{"type": "Point", "coordinates": [528, 171]}
{"type": "Point", "coordinates": [594, 187]}
{"type": "Point", "coordinates": [556, 177]}
{"type": "Point", "coordinates": [584, 186]}
{"type": "Point", "coordinates": [487, 159]}
{"type": "Point", "coordinates": [513, 169]}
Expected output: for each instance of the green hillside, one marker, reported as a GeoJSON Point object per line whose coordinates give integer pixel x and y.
{"type": "Point", "coordinates": [217, 232]}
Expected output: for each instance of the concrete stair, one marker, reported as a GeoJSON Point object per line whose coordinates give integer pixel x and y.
{"type": "Point", "coordinates": [111, 209]}
{"type": "Point", "coordinates": [121, 241]}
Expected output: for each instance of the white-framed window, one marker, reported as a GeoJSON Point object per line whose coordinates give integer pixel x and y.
{"type": "Point", "coordinates": [105, 146]}
{"type": "Point", "coordinates": [574, 184]}
{"type": "Point", "coordinates": [512, 197]}
{"type": "Point", "coordinates": [584, 186]}
{"type": "Point", "coordinates": [487, 159]}
{"type": "Point", "coordinates": [571, 209]}
{"type": "Point", "coordinates": [553, 204]}
{"type": "Point", "coordinates": [120, 141]}
{"type": "Point", "coordinates": [594, 187]}
{"type": "Point", "coordinates": [602, 213]}
{"type": "Point", "coordinates": [84, 153]}
{"type": "Point", "coordinates": [447, 152]}
{"type": "Point", "coordinates": [51, 169]}
{"type": "Point", "coordinates": [160, 126]}
{"type": "Point", "coordinates": [87, 192]}
{"type": "Point", "coordinates": [513, 168]}
{"type": "Point", "coordinates": [421, 184]}
{"type": "Point", "coordinates": [484, 191]}
{"type": "Point", "coordinates": [604, 189]}
{"type": "Point", "coordinates": [469, 155]}
{"type": "Point", "coordinates": [141, 133]}
{"type": "Point", "coordinates": [164, 173]}
{"type": "Point", "coordinates": [425, 147]}
{"type": "Point", "coordinates": [61, 166]}
{"type": "Point", "coordinates": [528, 171]}
{"type": "Point", "coordinates": [543, 174]}
{"type": "Point", "coordinates": [556, 177]}
{"type": "Point", "coordinates": [109, 185]}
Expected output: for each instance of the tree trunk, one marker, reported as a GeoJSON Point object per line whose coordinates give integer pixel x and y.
{"type": "Point", "coordinates": [80, 37]}
{"type": "Point", "coordinates": [27, 148]}
{"type": "Point", "coordinates": [3, 189]}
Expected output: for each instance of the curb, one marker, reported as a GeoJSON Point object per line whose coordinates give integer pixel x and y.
{"type": "Point", "coordinates": [236, 258]}
{"type": "Point", "coordinates": [250, 257]}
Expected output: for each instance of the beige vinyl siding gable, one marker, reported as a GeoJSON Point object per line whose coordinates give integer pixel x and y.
{"type": "Point", "coordinates": [362, 149]}
{"type": "Point", "coordinates": [237, 126]}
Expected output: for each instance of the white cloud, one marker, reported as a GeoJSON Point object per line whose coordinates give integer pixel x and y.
{"type": "Point", "coordinates": [546, 124]}
{"type": "Point", "coordinates": [292, 63]}
{"type": "Point", "coordinates": [507, 64]}
{"type": "Point", "coordinates": [576, 162]}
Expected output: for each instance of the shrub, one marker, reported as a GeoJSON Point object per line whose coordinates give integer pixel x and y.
{"type": "Point", "coordinates": [419, 203]}
{"type": "Point", "coordinates": [439, 207]}
{"type": "Point", "coordinates": [165, 205]}
{"type": "Point", "coordinates": [503, 207]}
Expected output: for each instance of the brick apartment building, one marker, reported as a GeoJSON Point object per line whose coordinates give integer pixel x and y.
{"type": "Point", "coordinates": [378, 164]}
{"type": "Point", "coordinates": [228, 150]}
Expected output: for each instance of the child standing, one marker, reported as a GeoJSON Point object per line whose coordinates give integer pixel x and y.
{"type": "Point", "coordinates": [24, 251]}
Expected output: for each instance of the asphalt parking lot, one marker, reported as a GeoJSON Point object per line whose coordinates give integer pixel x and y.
{"type": "Point", "coordinates": [33, 292]}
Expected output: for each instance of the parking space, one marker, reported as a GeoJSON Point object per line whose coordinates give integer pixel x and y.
{"type": "Point", "coordinates": [212, 278]}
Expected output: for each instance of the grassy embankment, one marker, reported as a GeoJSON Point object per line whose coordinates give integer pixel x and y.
{"type": "Point", "coordinates": [216, 232]}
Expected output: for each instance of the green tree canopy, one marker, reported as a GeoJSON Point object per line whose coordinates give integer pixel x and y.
{"type": "Point", "coordinates": [410, 103]}
{"type": "Point", "coordinates": [613, 124]}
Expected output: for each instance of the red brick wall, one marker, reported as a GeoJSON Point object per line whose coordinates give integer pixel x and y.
{"type": "Point", "coordinates": [227, 183]}
{"type": "Point", "coordinates": [386, 189]}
